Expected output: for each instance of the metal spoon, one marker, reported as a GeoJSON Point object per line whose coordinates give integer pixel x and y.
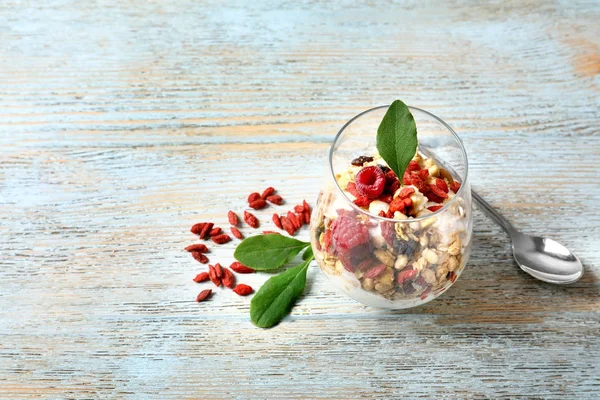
{"type": "Point", "coordinates": [542, 258]}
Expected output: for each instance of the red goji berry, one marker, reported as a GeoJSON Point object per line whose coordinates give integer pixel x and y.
{"type": "Point", "coordinates": [375, 271]}
{"type": "Point", "coordinates": [203, 295]}
{"type": "Point", "coordinates": [251, 219]}
{"type": "Point", "coordinates": [233, 218]}
{"type": "Point", "coordinates": [397, 205]}
{"type": "Point", "coordinates": [406, 275]}
{"type": "Point", "coordinates": [240, 268]}
{"type": "Point", "coordinates": [214, 232]}
{"type": "Point", "coordinates": [327, 239]}
{"type": "Point", "coordinates": [423, 174]}
{"type": "Point", "coordinates": [199, 247]}
{"type": "Point", "coordinates": [306, 217]}
{"type": "Point", "coordinates": [206, 229]}
{"type": "Point", "coordinates": [236, 232]}
{"type": "Point", "coordinates": [406, 192]}
{"type": "Point", "coordinates": [305, 206]}
{"type": "Point", "coordinates": [455, 186]}
{"type": "Point", "coordinates": [253, 197]}
{"type": "Point", "coordinates": [201, 277]}
{"type": "Point", "coordinates": [408, 202]}
{"type": "Point", "coordinates": [434, 208]}
{"type": "Point", "coordinates": [228, 278]}
{"type": "Point", "coordinates": [299, 208]}
{"type": "Point", "coordinates": [275, 199]}
{"type": "Point", "coordinates": [288, 226]}
{"type": "Point", "coordinates": [386, 197]}
{"type": "Point", "coordinates": [438, 192]}
{"type": "Point", "coordinates": [201, 258]}
{"type": "Point", "coordinates": [221, 239]}
{"type": "Point", "coordinates": [362, 201]}
{"type": "Point", "coordinates": [413, 166]}
{"type": "Point", "coordinates": [212, 274]}
{"type": "Point", "coordinates": [276, 221]}
{"type": "Point", "coordinates": [300, 218]}
{"type": "Point", "coordinates": [441, 184]}
{"type": "Point", "coordinates": [243, 290]}
{"type": "Point", "coordinates": [258, 204]}
{"type": "Point", "coordinates": [292, 217]}
{"type": "Point", "coordinates": [218, 270]}
{"type": "Point", "coordinates": [267, 192]}
{"type": "Point", "coordinates": [197, 228]}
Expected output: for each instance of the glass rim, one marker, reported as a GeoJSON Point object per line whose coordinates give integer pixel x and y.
{"type": "Point", "coordinates": [409, 219]}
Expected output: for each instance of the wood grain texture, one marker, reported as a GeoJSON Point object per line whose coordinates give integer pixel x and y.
{"type": "Point", "coordinates": [122, 123]}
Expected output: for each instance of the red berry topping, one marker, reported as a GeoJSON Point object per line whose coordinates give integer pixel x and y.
{"type": "Point", "coordinates": [348, 233]}
{"type": "Point", "coordinates": [440, 183]}
{"type": "Point", "coordinates": [413, 166]}
{"type": "Point", "coordinates": [370, 182]}
{"type": "Point", "coordinates": [434, 208]}
{"type": "Point", "coordinates": [406, 192]}
{"type": "Point", "coordinates": [455, 186]}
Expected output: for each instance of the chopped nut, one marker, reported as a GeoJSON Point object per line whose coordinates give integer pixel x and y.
{"type": "Point", "coordinates": [434, 171]}
{"type": "Point", "coordinates": [381, 288]}
{"type": "Point", "coordinates": [429, 276]}
{"type": "Point", "coordinates": [452, 263]}
{"type": "Point", "coordinates": [446, 175]}
{"type": "Point", "coordinates": [441, 271]}
{"type": "Point", "coordinates": [420, 264]}
{"type": "Point", "coordinates": [424, 240]}
{"type": "Point", "coordinates": [368, 284]}
{"type": "Point", "coordinates": [454, 248]}
{"type": "Point", "coordinates": [385, 257]}
{"type": "Point", "coordinates": [387, 277]}
{"type": "Point", "coordinates": [430, 255]}
{"type": "Point", "coordinates": [401, 262]}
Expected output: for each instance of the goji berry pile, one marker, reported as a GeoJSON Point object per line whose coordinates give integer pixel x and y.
{"type": "Point", "coordinates": [290, 222]}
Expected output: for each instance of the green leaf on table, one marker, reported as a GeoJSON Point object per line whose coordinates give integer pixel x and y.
{"type": "Point", "coordinates": [277, 296]}
{"type": "Point", "coordinates": [308, 254]}
{"type": "Point", "coordinates": [397, 137]}
{"type": "Point", "coordinates": [265, 252]}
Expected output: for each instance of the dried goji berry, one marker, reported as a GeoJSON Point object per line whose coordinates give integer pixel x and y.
{"type": "Point", "coordinates": [251, 219]}
{"type": "Point", "coordinates": [253, 197]}
{"type": "Point", "coordinates": [276, 221]}
{"type": "Point", "coordinates": [438, 192]}
{"type": "Point", "coordinates": [199, 247]}
{"type": "Point", "coordinates": [203, 295]}
{"type": "Point", "coordinates": [233, 218]}
{"type": "Point", "coordinates": [292, 217]}
{"type": "Point", "coordinates": [299, 208]}
{"type": "Point", "coordinates": [243, 290]}
{"type": "Point", "coordinates": [406, 192]}
{"type": "Point", "coordinates": [236, 232]}
{"type": "Point", "coordinates": [306, 215]}
{"type": "Point", "coordinates": [381, 213]}
{"type": "Point", "coordinates": [206, 230]}
{"type": "Point", "coordinates": [199, 257]}
{"type": "Point", "coordinates": [214, 232]}
{"type": "Point", "coordinates": [240, 268]}
{"type": "Point", "coordinates": [413, 166]}
{"type": "Point", "coordinates": [434, 208]}
{"type": "Point", "coordinates": [397, 205]}
{"type": "Point", "coordinates": [440, 183]}
{"type": "Point", "coordinates": [201, 277]}
{"type": "Point", "coordinates": [455, 186]}
{"type": "Point", "coordinates": [386, 197]}
{"type": "Point", "coordinates": [406, 275]}
{"type": "Point", "coordinates": [258, 204]}
{"type": "Point", "coordinates": [221, 239]}
{"type": "Point", "coordinates": [197, 228]}
{"type": "Point", "coordinates": [351, 188]}
{"type": "Point", "coordinates": [300, 218]}
{"type": "Point", "coordinates": [228, 278]}
{"type": "Point", "coordinates": [218, 270]}
{"type": "Point", "coordinates": [327, 239]}
{"type": "Point", "coordinates": [408, 202]}
{"type": "Point", "coordinates": [275, 199]}
{"type": "Point", "coordinates": [212, 274]}
{"type": "Point", "coordinates": [267, 192]}
{"type": "Point", "coordinates": [288, 226]}
{"type": "Point", "coordinates": [423, 174]}
{"type": "Point", "coordinates": [375, 271]}
{"type": "Point", "coordinates": [306, 206]}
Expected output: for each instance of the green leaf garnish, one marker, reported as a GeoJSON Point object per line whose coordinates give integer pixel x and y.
{"type": "Point", "coordinates": [397, 137]}
{"type": "Point", "coordinates": [308, 254]}
{"type": "Point", "coordinates": [265, 252]}
{"type": "Point", "coordinates": [278, 295]}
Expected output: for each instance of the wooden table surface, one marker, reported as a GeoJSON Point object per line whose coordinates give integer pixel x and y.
{"type": "Point", "coordinates": [122, 123]}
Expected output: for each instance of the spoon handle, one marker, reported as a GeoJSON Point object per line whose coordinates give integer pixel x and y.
{"type": "Point", "coordinates": [491, 211]}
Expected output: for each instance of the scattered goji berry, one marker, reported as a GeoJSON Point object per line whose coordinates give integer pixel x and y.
{"type": "Point", "coordinates": [251, 219]}
{"type": "Point", "coordinates": [240, 268]}
{"type": "Point", "coordinates": [236, 232]}
{"type": "Point", "coordinates": [397, 205]}
{"type": "Point", "coordinates": [201, 258]}
{"type": "Point", "coordinates": [221, 239]}
{"type": "Point", "coordinates": [203, 295]}
{"type": "Point", "coordinates": [299, 208]}
{"type": "Point", "coordinates": [197, 228]}
{"type": "Point", "coordinates": [300, 218]}
{"type": "Point", "coordinates": [423, 174]}
{"type": "Point", "coordinates": [267, 192]}
{"type": "Point", "coordinates": [199, 247]}
{"type": "Point", "coordinates": [438, 192]}
{"type": "Point", "coordinates": [288, 226]}
{"type": "Point", "coordinates": [218, 270]}
{"type": "Point", "coordinates": [201, 277]}
{"type": "Point", "coordinates": [408, 202]}
{"type": "Point", "coordinates": [406, 192]}
{"type": "Point", "coordinates": [233, 218]}
{"type": "Point", "coordinates": [276, 221]}
{"type": "Point", "coordinates": [253, 197]}
{"type": "Point", "coordinates": [206, 229]}
{"type": "Point", "coordinates": [228, 278]}
{"type": "Point", "coordinates": [275, 199]}
{"type": "Point", "coordinates": [292, 217]}
{"type": "Point", "coordinates": [243, 290]}
{"type": "Point", "coordinates": [440, 183]}
{"type": "Point", "coordinates": [214, 232]}
{"type": "Point", "coordinates": [455, 186]}
{"type": "Point", "coordinates": [306, 217]}
{"type": "Point", "coordinates": [258, 204]}
{"type": "Point", "coordinates": [305, 206]}
{"type": "Point", "coordinates": [413, 166]}
{"type": "Point", "coordinates": [212, 274]}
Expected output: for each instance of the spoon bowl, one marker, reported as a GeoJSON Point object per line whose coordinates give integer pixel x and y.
{"type": "Point", "coordinates": [546, 259]}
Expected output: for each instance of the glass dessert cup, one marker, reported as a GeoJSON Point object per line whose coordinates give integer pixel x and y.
{"type": "Point", "coordinates": [398, 262]}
